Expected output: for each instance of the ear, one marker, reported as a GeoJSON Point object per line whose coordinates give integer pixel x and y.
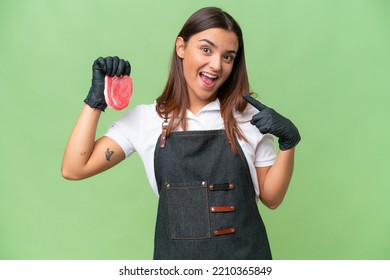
{"type": "Point", "coordinates": [180, 47]}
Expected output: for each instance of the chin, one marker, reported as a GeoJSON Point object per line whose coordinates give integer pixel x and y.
{"type": "Point", "coordinates": [207, 97]}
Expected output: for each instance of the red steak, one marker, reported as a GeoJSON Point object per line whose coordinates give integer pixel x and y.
{"type": "Point", "coordinates": [118, 91]}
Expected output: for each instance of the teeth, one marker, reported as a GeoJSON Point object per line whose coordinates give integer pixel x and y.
{"type": "Point", "coordinates": [209, 75]}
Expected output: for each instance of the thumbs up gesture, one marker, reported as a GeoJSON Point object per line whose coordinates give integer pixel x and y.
{"type": "Point", "coordinates": [270, 121]}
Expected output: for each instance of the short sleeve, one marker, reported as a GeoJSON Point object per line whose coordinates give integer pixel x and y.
{"type": "Point", "coordinates": [127, 129]}
{"type": "Point", "coordinates": [265, 152]}
{"type": "Point", "coordinates": [117, 133]}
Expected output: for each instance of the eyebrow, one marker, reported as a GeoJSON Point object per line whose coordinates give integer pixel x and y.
{"type": "Point", "coordinates": [215, 46]}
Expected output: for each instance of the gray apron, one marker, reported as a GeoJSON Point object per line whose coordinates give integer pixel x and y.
{"type": "Point", "coordinates": [207, 207]}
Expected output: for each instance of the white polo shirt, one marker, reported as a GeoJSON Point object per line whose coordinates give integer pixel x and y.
{"type": "Point", "coordinates": [138, 131]}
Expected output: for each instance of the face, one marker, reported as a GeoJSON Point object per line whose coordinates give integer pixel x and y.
{"type": "Point", "coordinates": [208, 59]}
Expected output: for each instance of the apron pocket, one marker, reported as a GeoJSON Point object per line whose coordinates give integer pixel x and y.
{"type": "Point", "coordinates": [188, 210]}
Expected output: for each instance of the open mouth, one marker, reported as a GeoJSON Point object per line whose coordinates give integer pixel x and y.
{"type": "Point", "coordinates": [207, 78]}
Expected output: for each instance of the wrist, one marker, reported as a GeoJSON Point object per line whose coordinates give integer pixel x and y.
{"type": "Point", "coordinates": [289, 143]}
{"type": "Point", "coordinates": [95, 98]}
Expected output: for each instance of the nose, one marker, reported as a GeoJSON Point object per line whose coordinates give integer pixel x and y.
{"type": "Point", "coordinates": [215, 62]}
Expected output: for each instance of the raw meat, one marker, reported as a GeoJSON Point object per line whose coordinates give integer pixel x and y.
{"type": "Point", "coordinates": [118, 91]}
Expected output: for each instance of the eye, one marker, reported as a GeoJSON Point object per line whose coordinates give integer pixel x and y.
{"type": "Point", "coordinates": [206, 50]}
{"type": "Point", "coordinates": [228, 58]}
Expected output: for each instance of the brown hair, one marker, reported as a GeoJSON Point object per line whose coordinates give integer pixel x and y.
{"type": "Point", "coordinates": [174, 99]}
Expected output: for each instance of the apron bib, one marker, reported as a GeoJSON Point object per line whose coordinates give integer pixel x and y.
{"type": "Point", "coordinates": [207, 207]}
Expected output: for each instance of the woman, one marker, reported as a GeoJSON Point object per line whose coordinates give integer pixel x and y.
{"type": "Point", "coordinates": [207, 154]}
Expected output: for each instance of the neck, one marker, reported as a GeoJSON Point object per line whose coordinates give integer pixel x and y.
{"type": "Point", "coordinates": [195, 107]}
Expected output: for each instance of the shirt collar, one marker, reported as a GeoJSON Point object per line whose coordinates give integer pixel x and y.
{"type": "Point", "coordinates": [216, 106]}
{"type": "Point", "coordinates": [212, 106]}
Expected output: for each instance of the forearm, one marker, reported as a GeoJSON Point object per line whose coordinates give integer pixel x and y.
{"type": "Point", "coordinates": [81, 142]}
{"type": "Point", "coordinates": [274, 186]}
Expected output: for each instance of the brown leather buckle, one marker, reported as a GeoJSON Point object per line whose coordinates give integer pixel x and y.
{"type": "Point", "coordinates": [222, 209]}
{"type": "Point", "coordinates": [163, 134]}
{"type": "Point", "coordinates": [221, 187]}
{"type": "Point", "coordinates": [224, 231]}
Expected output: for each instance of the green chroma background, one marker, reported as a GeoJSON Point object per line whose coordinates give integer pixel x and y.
{"type": "Point", "coordinates": [323, 64]}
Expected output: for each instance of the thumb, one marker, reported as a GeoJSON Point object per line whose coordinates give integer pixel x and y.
{"type": "Point", "coordinates": [99, 68]}
{"type": "Point", "coordinates": [99, 64]}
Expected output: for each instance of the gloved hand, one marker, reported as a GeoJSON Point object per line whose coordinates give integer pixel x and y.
{"type": "Point", "coordinates": [269, 121]}
{"type": "Point", "coordinates": [110, 66]}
